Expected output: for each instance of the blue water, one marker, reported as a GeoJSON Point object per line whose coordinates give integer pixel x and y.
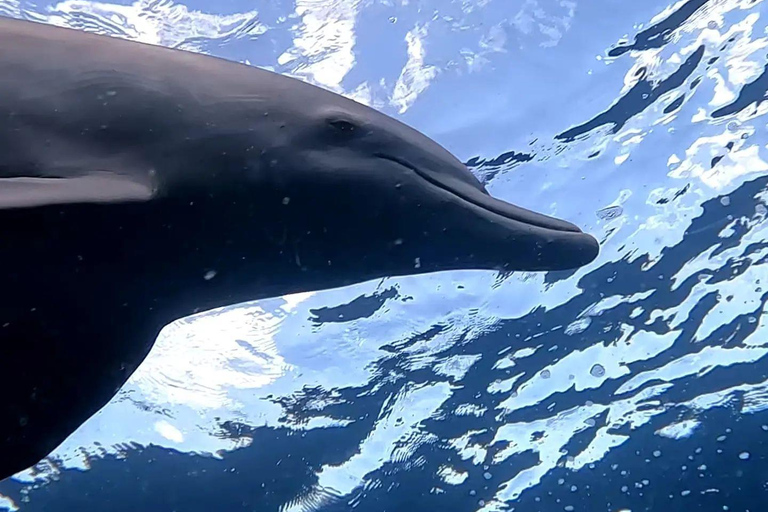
{"type": "Point", "coordinates": [639, 382]}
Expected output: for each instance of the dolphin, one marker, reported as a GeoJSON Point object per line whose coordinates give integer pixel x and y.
{"type": "Point", "coordinates": [141, 184]}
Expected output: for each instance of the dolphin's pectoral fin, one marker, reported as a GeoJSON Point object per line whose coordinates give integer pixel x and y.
{"type": "Point", "coordinates": [29, 192]}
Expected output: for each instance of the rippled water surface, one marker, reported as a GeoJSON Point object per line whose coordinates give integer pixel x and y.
{"type": "Point", "coordinates": [637, 383]}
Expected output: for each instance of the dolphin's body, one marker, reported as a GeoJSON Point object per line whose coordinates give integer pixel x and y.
{"type": "Point", "coordinates": [141, 184]}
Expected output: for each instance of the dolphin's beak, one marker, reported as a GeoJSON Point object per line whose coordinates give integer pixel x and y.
{"type": "Point", "coordinates": [538, 242]}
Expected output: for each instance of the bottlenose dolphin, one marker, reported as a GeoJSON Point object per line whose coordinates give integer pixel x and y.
{"type": "Point", "coordinates": [141, 184]}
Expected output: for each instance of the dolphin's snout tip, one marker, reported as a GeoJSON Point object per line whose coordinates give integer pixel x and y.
{"type": "Point", "coordinates": [591, 248]}
{"type": "Point", "coordinates": [584, 250]}
{"type": "Point", "coordinates": [568, 250]}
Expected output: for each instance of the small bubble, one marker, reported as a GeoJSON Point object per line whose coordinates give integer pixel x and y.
{"type": "Point", "coordinates": [417, 263]}
{"type": "Point", "coordinates": [209, 275]}
{"type": "Point", "coordinates": [657, 453]}
{"type": "Point", "coordinates": [597, 371]}
{"type": "Point", "coordinates": [712, 25]}
{"type": "Point", "coordinates": [721, 439]}
{"type": "Point", "coordinates": [732, 126]}
{"type": "Point", "coordinates": [568, 508]}
{"type": "Point", "coordinates": [760, 209]}
{"type": "Point", "coordinates": [487, 475]}
{"type": "Point", "coordinates": [399, 241]}
{"type": "Point", "coordinates": [590, 422]}
{"type": "Point", "coordinates": [744, 455]}
{"type": "Point", "coordinates": [574, 488]}
{"type": "Point", "coordinates": [685, 493]}
{"type": "Point", "coordinates": [725, 200]}
{"type": "Point", "coordinates": [545, 374]}
{"type": "Point", "coordinates": [392, 19]}
{"type": "Point", "coordinates": [286, 200]}
{"type": "Point", "coordinates": [765, 427]}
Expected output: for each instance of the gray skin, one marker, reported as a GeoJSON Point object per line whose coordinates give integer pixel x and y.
{"type": "Point", "coordinates": [140, 184]}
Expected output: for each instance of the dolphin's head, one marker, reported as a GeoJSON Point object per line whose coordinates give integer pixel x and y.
{"type": "Point", "coordinates": [372, 192]}
{"type": "Point", "coordinates": [361, 190]}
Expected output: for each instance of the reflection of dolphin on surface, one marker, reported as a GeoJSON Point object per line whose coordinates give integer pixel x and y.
{"type": "Point", "coordinates": [140, 184]}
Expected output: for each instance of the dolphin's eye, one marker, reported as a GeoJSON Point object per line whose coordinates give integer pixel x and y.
{"type": "Point", "coordinates": [344, 127]}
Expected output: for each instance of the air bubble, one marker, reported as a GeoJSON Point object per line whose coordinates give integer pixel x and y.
{"type": "Point", "coordinates": [597, 371]}
{"type": "Point", "coordinates": [744, 455]}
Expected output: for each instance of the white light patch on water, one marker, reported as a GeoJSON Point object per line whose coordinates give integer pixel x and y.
{"type": "Point", "coordinates": [753, 397]}
{"type": "Point", "coordinates": [680, 430]}
{"type": "Point", "coordinates": [195, 361]}
{"type": "Point", "coordinates": [456, 366]}
{"type": "Point", "coordinates": [510, 360]}
{"type": "Point", "coordinates": [451, 476]}
{"type": "Point", "coordinates": [620, 413]}
{"type": "Point", "coordinates": [699, 363]}
{"type": "Point", "coordinates": [8, 504]}
{"type": "Point", "coordinates": [410, 408]}
{"type": "Point", "coordinates": [160, 23]}
{"type": "Point", "coordinates": [575, 370]}
{"type": "Point", "coordinates": [468, 450]}
{"type": "Point", "coordinates": [610, 303]}
{"type": "Point", "coordinates": [546, 437]}
{"type": "Point", "coordinates": [169, 432]}
{"type": "Point", "coordinates": [324, 42]}
{"type": "Point", "coordinates": [603, 442]}
{"type": "Point", "coordinates": [416, 74]}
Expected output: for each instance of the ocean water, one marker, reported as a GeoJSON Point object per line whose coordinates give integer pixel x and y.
{"type": "Point", "coordinates": [636, 383]}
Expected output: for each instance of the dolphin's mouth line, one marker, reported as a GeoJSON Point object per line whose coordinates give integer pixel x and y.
{"type": "Point", "coordinates": [508, 211]}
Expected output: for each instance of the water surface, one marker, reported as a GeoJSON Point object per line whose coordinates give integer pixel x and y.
{"type": "Point", "coordinates": [638, 382]}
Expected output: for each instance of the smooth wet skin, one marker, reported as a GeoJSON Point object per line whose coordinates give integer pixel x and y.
{"type": "Point", "coordinates": [139, 185]}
